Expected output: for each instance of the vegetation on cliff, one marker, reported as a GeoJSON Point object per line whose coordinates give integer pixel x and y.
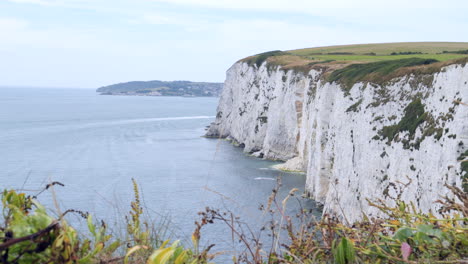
{"type": "Point", "coordinates": [375, 63]}
{"type": "Point", "coordinates": [29, 234]}
{"type": "Point", "coordinates": [463, 159]}
{"type": "Point", "coordinates": [414, 116]}
{"type": "Point", "coordinates": [374, 72]}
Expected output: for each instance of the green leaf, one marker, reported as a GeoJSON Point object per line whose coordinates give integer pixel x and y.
{"type": "Point", "coordinates": [132, 251]}
{"type": "Point", "coordinates": [91, 226]}
{"type": "Point", "coordinates": [344, 251]}
{"type": "Point", "coordinates": [402, 206]}
{"type": "Point", "coordinates": [430, 231]}
{"type": "Point", "coordinates": [403, 234]}
{"type": "Point", "coordinates": [181, 258]}
{"type": "Point", "coordinates": [90, 256]}
{"type": "Point", "coordinates": [112, 247]}
{"type": "Point", "coordinates": [421, 238]}
{"type": "Point", "coordinates": [161, 256]}
{"type": "Point", "coordinates": [175, 244]}
{"type": "Point", "coordinates": [86, 245]}
{"type": "Point", "coordinates": [58, 243]}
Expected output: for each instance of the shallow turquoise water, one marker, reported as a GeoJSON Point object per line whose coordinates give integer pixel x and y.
{"type": "Point", "coordinates": [96, 144]}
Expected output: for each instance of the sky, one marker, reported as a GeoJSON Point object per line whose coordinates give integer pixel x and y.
{"type": "Point", "coordinates": [92, 43]}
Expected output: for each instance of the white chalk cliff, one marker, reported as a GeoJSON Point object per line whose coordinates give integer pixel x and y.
{"type": "Point", "coordinates": [337, 136]}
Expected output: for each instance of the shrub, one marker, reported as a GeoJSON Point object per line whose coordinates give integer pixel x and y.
{"type": "Point", "coordinates": [28, 234]}
{"type": "Point", "coordinates": [456, 52]}
{"type": "Point", "coordinates": [354, 107]}
{"type": "Point", "coordinates": [405, 235]}
{"type": "Point", "coordinates": [262, 57]}
{"type": "Point", "coordinates": [406, 53]}
{"type": "Point", "coordinates": [373, 72]}
{"type": "Point", "coordinates": [464, 168]}
{"type": "Point", "coordinates": [340, 53]}
{"type": "Point", "coordinates": [414, 116]}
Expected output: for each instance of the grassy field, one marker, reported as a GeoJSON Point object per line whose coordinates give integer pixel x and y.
{"type": "Point", "coordinates": [386, 48]}
{"type": "Point", "coordinates": [362, 53]}
{"type": "Point", "coordinates": [367, 58]}
{"type": "Point", "coordinates": [376, 63]}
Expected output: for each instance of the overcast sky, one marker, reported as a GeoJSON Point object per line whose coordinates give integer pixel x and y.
{"type": "Point", "coordinates": [91, 43]}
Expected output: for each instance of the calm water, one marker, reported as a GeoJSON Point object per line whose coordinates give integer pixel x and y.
{"type": "Point", "coordinates": [96, 144]}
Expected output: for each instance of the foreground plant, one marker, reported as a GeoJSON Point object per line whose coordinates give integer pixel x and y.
{"type": "Point", "coordinates": [28, 234]}
{"type": "Point", "coordinates": [403, 235]}
{"type": "Point", "coordinates": [146, 245]}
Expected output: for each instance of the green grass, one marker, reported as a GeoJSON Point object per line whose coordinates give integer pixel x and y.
{"type": "Point", "coordinates": [457, 52]}
{"type": "Point", "coordinates": [441, 51]}
{"type": "Point", "coordinates": [262, 57]}
{"type": "Point", "coordinates": [386, 48]}
{"type": "Point", "coordinates": [375, 71]}
{"type": "Point", "coordinates": [366, 62]}
{"type": "Point", "coordinates": [354, 107]}
{"type": "Point", "coordinates": [464, 169]}
{"type": "Point", "coordinates": [367, 58]}
{"type": "Point", "coordinates": [414, 116]}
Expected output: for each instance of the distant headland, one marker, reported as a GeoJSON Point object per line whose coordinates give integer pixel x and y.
{"type": "Point", "coordinates": [163, 88]}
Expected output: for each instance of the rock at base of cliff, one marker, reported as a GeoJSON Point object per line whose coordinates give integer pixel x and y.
{"type": "Point", "coordinates": [292, 165]}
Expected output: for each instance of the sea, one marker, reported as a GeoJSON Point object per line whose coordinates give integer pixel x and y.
{"type": "Point", "coordinates": [96, 144]}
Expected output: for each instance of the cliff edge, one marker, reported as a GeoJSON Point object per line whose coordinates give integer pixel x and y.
{"type": "Point", "coordinates": [380, 129]}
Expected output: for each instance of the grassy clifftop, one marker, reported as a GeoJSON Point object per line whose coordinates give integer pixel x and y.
{"type": "Point", "coordinates": [352, 63]}
{"type": "Point", "coordinates": [377, 52]}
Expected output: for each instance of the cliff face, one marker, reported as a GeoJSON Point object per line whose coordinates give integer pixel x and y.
{"type": "Point", "coordinates": [364, 141]}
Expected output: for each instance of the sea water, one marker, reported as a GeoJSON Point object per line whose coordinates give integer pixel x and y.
{"type": "Point", "coordinates": [96, 144]}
